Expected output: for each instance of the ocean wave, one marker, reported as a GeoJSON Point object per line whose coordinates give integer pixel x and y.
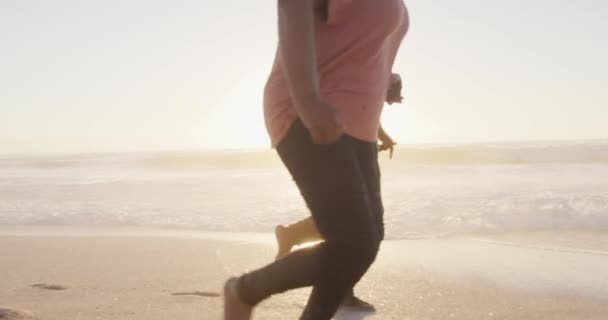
{"type": "Point", "coordinates": [428, 191]}
{"type": "Point", "coordinates": [590, 152]}
{"type": "Point", "coordinates": [207, 205]}
{"type": "Point", "coordinates": [596, 153]}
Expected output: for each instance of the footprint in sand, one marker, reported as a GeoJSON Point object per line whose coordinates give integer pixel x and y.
{"type": "Point", "coordinates": [198, 293]}
{"type": "Point", "coordinates": [44, 286]}
{"type": "Point", "coordinates": [10, 314]}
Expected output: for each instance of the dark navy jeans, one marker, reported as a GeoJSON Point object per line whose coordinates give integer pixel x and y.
{"type": "Point", "coordinates": [340, 184]}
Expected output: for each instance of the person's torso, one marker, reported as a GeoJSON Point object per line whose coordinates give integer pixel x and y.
{"type": "Point", "coordinates": [356, 47]}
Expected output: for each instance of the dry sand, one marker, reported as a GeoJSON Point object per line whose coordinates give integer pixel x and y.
{"type": "Point", "coordinates": [92, 274]}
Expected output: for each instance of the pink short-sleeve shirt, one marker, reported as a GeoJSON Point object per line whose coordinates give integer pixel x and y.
{"type": "Point", "coordinates": [356, 49]}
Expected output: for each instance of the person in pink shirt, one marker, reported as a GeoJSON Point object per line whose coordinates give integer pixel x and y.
{"type": "Point", "coordinates": [322, 106]}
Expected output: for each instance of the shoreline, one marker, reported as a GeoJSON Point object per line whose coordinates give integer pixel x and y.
{"type": "Point", "coordinates": [574, 241]}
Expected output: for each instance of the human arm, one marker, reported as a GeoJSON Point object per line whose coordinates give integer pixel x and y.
{"type": "Point", "coordinates": [298, 54]}
{"type": "Point", "coordinates": [387, 143]}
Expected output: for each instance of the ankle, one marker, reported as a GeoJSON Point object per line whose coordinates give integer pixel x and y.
{"type": "Point", "coordinates": [236, 291]}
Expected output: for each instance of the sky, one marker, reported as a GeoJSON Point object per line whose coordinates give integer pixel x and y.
{"type": "Point", "coordinates": [115, 75]}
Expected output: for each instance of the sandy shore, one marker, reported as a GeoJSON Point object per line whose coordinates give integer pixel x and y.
{"type": "Point", "coordinates": [60, 274]}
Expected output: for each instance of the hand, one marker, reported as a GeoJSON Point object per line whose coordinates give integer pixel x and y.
{"type": "Point", "coordinates": [321, 121]}
{"type": "Point", "coordinates": [388, 145]}
{"type": "Point", "coordinates": [393, 94]}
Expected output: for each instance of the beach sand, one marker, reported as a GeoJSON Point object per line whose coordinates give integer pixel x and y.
{"type": "Point", "coordinates": [82, 274]}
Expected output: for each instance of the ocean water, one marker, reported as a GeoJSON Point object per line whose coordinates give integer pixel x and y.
{"type": "Point", "coordinates": [429, 191]}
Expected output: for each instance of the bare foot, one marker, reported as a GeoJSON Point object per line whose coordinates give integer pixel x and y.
{"type": "Point", "coordinates": [283, 241]}
{"type": "Point", "coordinates": [357, 304]}
{"type": "Point", "coordinates": [234, 307]}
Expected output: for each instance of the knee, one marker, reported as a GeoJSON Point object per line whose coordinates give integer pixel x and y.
{"type": "Point", "coordinates": [362, 248]}
{"type": "Point", "coordinates": [351, 256]}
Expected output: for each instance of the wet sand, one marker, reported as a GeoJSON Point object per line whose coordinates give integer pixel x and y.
{"type": "Point", "coordinates": [87, 274]}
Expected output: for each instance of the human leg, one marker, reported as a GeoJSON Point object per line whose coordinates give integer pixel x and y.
{"type": "Point", "coordinates": [299, 233]}
{"type": "Point", "coordinates": [330, 180]}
